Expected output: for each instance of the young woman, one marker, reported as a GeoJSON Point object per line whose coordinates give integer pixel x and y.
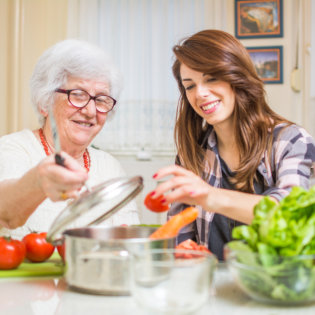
{"type": "Point", "coordinates": [232, 148]}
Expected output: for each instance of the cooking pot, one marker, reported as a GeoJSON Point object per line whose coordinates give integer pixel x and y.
{"type": "Point", "coordinates": [98, 258]}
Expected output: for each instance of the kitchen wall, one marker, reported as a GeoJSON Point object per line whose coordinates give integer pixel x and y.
{"type": "Point", "coordinates": [283, 99]}
{"type": "Point", "coordinates": [296, 106]}
{"type": "Point", "coordinates": [28, 27]}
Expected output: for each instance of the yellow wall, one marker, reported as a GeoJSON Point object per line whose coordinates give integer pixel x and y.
{"type": "Point", "coordinates": [295, 106]}
{"type": "Point", "coordinates": [27, 28]}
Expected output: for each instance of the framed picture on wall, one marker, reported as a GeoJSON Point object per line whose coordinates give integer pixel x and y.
{"type": "Point", "coordinates": [258, 19]}
{"type": "Point", "coordinates": [268, 62]}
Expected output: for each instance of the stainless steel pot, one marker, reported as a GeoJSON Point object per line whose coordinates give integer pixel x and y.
{"type": "Point", "coordinates": [98, 259]}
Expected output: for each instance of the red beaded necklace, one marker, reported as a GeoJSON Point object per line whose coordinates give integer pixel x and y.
{"type": "Point", "coordinates": [86, 154]}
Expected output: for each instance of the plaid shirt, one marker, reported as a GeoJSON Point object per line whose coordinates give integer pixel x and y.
{"type": "Point", "coordinates": [293, 152]}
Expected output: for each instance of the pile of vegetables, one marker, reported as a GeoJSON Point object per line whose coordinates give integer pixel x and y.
{"type": "Point", "coordinates": [33, 248]}
{"type": "Point", "coordinates": [278, 248]}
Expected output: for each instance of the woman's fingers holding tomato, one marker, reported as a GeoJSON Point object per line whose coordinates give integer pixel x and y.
{"type": "Point", "coordinates": [190, 189]}
{"type": "Point", "coordinates": [184, 186]}
{"type": "Point", "coordinates": [180, 194]}
{"type": "Point", "coordinates": [158, 204]}
{"type": "Point", "coordinates": [171, 184]}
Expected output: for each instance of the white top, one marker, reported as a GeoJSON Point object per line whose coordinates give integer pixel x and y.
{"type": "Point", "coordinates": [21, 151]}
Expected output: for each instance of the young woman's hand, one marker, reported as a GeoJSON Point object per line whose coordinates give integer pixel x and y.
{"type": "Point", "coordinates": [58, 182]}
{"type": "Point", "coordinates": [184, 186]}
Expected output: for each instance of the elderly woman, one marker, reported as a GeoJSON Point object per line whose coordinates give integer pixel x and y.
{"type": "Point", "coordinates": [78, 83]}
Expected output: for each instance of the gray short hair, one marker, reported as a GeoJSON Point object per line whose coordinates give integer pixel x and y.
{"type": "Point", "coordinates": [70, 57]}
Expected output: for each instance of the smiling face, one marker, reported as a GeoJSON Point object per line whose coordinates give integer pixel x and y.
{"type": "Point", "coordinates": [78, 126]}
{"type": "Point", "coordinates": [212, 99]}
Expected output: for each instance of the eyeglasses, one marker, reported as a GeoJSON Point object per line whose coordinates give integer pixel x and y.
{"type": "Point", "coordinates": [79, 98]}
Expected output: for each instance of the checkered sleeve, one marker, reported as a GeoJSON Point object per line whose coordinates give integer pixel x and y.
{"type": "Point", "coordinates": [293, 155]}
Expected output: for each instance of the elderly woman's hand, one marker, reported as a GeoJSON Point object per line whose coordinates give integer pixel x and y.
{"type": "Point", "coordinates": [58, 182]}
{"type": "Point", "coordinates": [184, 186]}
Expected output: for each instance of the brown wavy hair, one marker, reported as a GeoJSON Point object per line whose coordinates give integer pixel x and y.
{"type": "Point", "coordinates": [222, 56]}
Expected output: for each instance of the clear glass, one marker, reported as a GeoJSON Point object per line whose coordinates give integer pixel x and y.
{"type": "Point", "coordinates": [171, 281]}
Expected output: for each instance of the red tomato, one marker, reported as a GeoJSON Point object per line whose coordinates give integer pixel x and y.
{"type": "Point", "coordinates": [188, 244]}
{"type": "Point", "coordinates": [61, 250]}
{"type": "Point", "coordinates": [203, 248]}
{"type": "Point", "coordinates": [155, 205]}
{"type": "Point", "coordinates": [37, 248]}
{"type": "Point", "coordinates": [12, 253]}
{"type": "Point", "coordinates": [191, 245]}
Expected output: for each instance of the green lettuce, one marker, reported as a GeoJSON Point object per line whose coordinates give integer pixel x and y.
{"type": "Point", "coordinates": [273, 244]}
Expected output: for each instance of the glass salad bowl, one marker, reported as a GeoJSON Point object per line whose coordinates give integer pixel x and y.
{"type": "Point", "coordinates": [172, 281]}
{"type": "Point", "coordinates": [272, 279]}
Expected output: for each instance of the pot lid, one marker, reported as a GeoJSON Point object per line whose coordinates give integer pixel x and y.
{"type": "Point", "coordinates": [95, 205]}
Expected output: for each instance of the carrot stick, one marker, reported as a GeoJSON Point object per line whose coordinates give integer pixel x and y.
{"type": "Point", "coordinates": [175, 223]}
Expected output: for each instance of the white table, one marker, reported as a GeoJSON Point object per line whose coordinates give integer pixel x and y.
{"type": "Point", "coordinates": [47, 296]}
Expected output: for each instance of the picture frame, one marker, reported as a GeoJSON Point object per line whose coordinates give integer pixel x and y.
{"type": "Point", "coordinates": [268, 63]}
{"type": "Point", "coordinates": [258, 19]}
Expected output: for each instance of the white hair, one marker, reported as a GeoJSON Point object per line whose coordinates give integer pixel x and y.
{"type": "Point", "coordinates": [70, 57]}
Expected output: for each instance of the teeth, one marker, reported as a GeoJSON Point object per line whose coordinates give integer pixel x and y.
{"type": "Point", "coordinates": [209, 106]}
{"type": "Point", "coordinates": [85, 124]}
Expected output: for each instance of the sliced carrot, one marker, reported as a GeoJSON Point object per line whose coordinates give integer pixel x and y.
{"type": "Point", "coordinates": [175, 223]}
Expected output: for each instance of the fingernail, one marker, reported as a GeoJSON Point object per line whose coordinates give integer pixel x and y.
{"type": "Point", "coordinates": [191, 193]}
{"type": "Point", "coordinates": [155, 175]}
{"type": "Point", "coordinates": [163, 201]}
{"type": "Point", "coordinates": [152, 193]}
